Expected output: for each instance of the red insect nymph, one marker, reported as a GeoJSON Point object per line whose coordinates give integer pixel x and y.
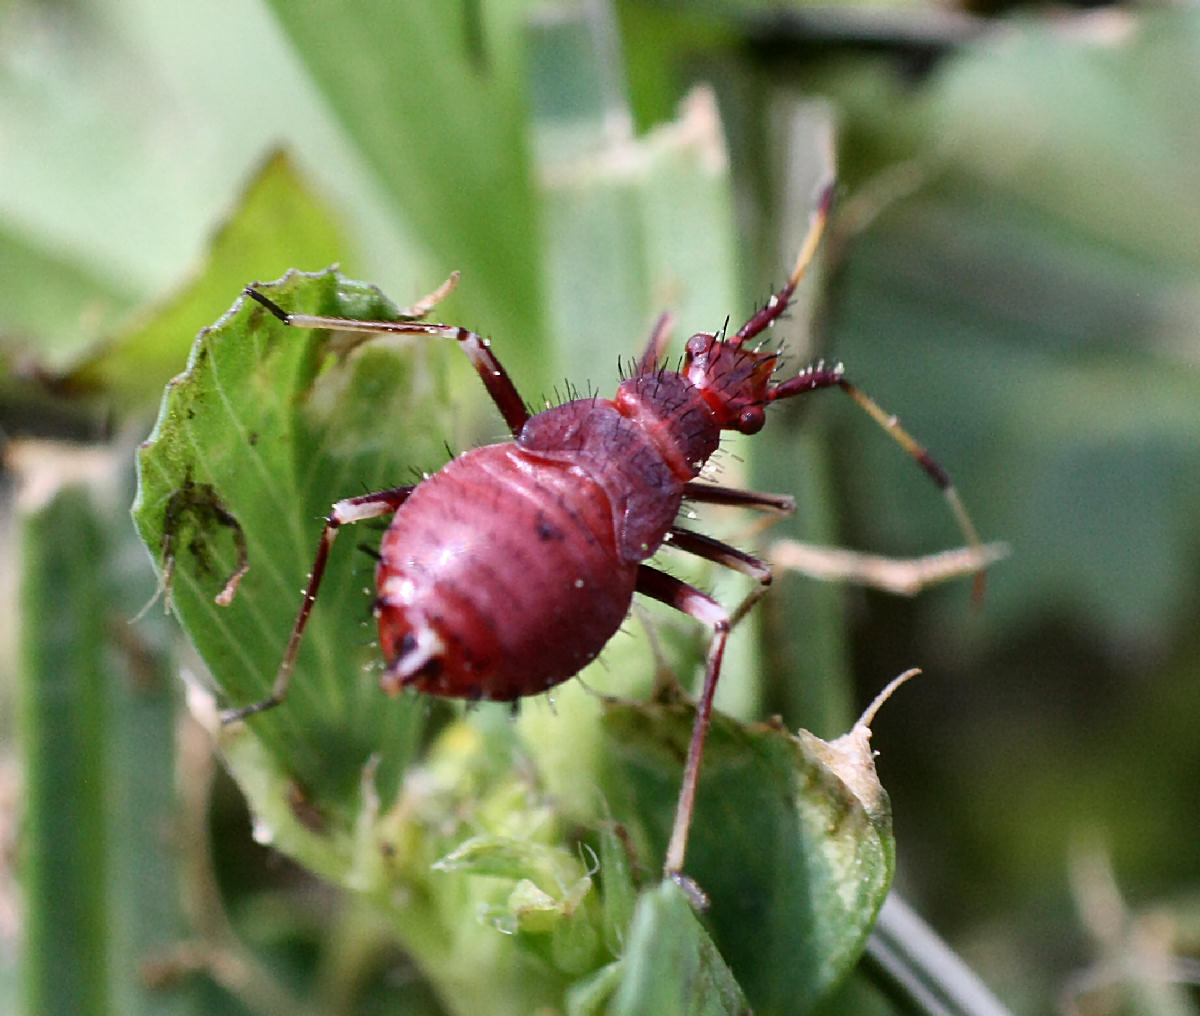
{"type": "Point", "coordinates": [506, 572]}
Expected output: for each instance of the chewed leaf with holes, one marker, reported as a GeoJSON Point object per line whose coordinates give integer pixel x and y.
{"type": "Point", "coordinates": [263, 430]}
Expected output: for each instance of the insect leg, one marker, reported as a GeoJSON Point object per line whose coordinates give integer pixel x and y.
{"type": "Point", "coordinates": [774, 504]}
{"type": "Point", "coordinates": [352, 509]}
{"type": "Point", "coordinates": [902, 576]}
{"type": "Point", "coordinates": [497, 382]}
{"type": "Point", "coordinates": [689, 600]}
{"type": "Point", "coordinates": [711, 493]}
{"type": "Point", "coordinates": [905, 577]}
{"type": "Point", "coordinates": [659, 337]}
{"type": "Point", "coordinates": [720, 553]}
{"type": "Point", "coordinates": [728, 557]}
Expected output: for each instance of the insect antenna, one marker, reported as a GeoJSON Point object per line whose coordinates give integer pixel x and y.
{"type": "Point", "coordinates": [818, 376]}
{"type": "Point", "coordinates": [778, 302]}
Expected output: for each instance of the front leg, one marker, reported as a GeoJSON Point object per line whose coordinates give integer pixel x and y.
{"type": "Point", "coordinates": [497, 382]}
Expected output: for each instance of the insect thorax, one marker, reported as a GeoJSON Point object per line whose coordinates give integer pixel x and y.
{"type": "Point", "coordinates": [640, 449]}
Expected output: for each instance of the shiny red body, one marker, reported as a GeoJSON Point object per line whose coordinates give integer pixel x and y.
{"type": "Point", "coordinates": [521, 559]}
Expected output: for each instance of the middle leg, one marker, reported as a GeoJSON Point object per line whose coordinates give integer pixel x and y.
{"type": "Point", "coordinates": [712, 493]}
{"type": "Point", "coordinates": [728, 557]}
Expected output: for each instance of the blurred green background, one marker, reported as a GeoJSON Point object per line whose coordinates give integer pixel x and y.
{"type": "Point", "coordinates": [1012, 268]}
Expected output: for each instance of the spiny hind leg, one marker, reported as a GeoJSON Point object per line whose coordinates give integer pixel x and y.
{"type": "Point", "coordinates": [689, 600]}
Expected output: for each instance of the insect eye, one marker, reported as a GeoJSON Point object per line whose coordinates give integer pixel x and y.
{"type": "Point", "coordinates": [751, 420]}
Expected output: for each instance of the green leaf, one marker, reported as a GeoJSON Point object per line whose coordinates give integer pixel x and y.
{"type": "Point", "coordinates": [52, 299]}
{"type": "Point", "coordinates": [63, 738]}
{"type": "Point", "coordinates": [795, 857]}
{"type": "Point", "coordinates": [620, 888]}
{"type": "Point", "coordinates": [253, 437]}
{"type": "Point", "coordinates": [264, 422]}
{"type": "Point", "coordinates": [279, 222]}
{"type": "Point", "coordinates": [432, 95]}
{"type": "Point", "coordinates": [672, 967]}
{"type": "Point", "coordinates": [97, 725]}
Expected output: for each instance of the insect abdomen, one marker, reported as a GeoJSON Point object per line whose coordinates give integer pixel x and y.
{"type": "Point", "coordinates": [499, 577]}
